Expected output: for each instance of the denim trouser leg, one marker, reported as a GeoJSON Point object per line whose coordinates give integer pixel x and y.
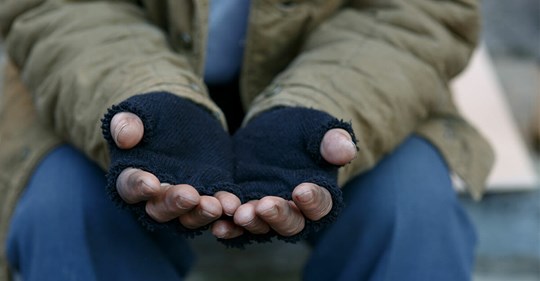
{"type": "Point", "coordinates": [66, 228]}
{"type": "Point", "coordinates": [402, 222]}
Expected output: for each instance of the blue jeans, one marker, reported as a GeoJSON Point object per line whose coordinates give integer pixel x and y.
{"type": "Point", "coordinates": [402, 222]}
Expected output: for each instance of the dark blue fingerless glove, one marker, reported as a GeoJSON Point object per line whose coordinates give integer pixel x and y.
{"type": "Point", "coordinates": [182, 144]}
{"type": "Point", "coordinates": [277, 151]}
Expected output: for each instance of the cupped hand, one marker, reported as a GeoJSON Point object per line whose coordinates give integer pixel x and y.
{"type": "Point", "coordinates": [285, 217]}
{"type": "Point", "coordinates": [164, 202]}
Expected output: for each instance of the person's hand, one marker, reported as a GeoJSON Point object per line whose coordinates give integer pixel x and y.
{"type": "Point", "coordinates": [288, 217]}
{"type": "Point", "coordinates": [164, 202]}
{"type": "Point", "coordinates": [286, 164]}
{"type": "Point", "coordinates": [164, 167]}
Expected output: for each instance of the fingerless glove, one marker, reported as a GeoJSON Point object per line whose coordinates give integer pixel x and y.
{"type": "Point", "coordinates": [277, 151]}
{"type": "Point", "coordinates": [182, 144]}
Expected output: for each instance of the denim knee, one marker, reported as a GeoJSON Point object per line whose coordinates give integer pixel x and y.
{"type": "Point", "coordinates": [400, 216]}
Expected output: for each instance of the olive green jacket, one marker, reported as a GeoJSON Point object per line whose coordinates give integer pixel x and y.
{"type": "Point", "coordinates": [382, 64]}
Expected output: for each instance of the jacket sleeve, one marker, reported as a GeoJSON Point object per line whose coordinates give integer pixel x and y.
{"type": "Point", "coordinates": [80, 58]}
{"type": "Point", "coordinates": [384, 65]}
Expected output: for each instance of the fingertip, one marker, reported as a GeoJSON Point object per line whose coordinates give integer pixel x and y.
{"type": "Point", "coordinates": [229, 202]}
{"type": "Point", "coordinates": [210, 207]}
{"type": "Point", "coordinates": [245, 217]}
{"type": "Point", "coordinates": [268, 208]}
{"type": "Point", "coordinates": [225, 229]}
{"type": "Point", "coordinates": [188, 193]}
{"type": "Point", "coordinates": [304, 187]}
{"type": "Point", "coordinates": [127, 130]}
{"type": "Point", "coordinates": [337, 147]}
{"type": "Point", "coordinates": [150, 182]}
{"type": "Point", "coordinates": [304, 193]}
{"type": "Point", "coordinates": [314, 201]}
{"type": "Point", "coordinates": [244, 214]}
{"type": "Point", "coordinates": [135, 185]}
{"type": "Point", "coordinates": [219, 229]}
{"type": "Point", "coordinates": [183, 197]}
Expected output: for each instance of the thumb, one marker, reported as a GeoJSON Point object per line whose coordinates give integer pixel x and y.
{"type": "Point", "coordinates": [127, 130]}
{"type": "Point", "coordinates": [337, 147]}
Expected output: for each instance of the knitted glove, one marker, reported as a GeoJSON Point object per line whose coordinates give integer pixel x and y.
{"type": "Point", "coordinates": [277, 151]}
{"type": "Point", "coordinates": [182, 144]}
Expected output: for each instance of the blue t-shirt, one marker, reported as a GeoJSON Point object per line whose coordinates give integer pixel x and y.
{"type": "Point", "coordinates": [227, 32]}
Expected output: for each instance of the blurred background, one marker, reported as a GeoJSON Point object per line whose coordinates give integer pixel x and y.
{"type": "Point", "coordinates": [511, 32]}
{"type": "Point", "coordinates": [508, 220]}
{"type": "Point", "coordinates": [508, 224]}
